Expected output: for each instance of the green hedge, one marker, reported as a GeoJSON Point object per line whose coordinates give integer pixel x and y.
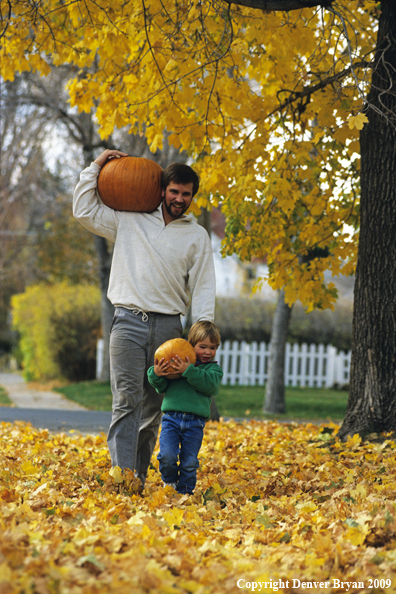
{"type": "Point", "coordinates": [251, 320]}
{"type": "Point", "coordinates": [58, 326]}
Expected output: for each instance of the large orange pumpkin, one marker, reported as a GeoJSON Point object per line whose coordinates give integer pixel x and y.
{"type": "Point", "coordinates": [131, 183]}
{"type": "Point", "coordinates": [176, 346]}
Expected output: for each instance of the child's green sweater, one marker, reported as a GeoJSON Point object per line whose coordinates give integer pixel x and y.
{"type": "Point", "coordinates": [190, 393]}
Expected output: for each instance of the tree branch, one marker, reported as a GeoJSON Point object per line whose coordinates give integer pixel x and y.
{"type": "Point", "coordinates": [7, 19]}
{"type": "Point", "coordinates": [306, 92]}
{"type": "Point", "coordinates": [311, 89]}
{"type": "Point", "coordinates": [284, 5]}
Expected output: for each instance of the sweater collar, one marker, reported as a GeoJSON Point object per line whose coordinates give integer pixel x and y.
{"type": "Point", "coordinates": [198, 362]}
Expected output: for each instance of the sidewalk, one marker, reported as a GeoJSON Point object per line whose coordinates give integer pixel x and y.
{"type": "Point", "coordinates": [48, 410]}
{"type": "Point", "coordinates": [24, 397]}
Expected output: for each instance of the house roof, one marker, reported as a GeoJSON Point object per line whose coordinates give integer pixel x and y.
{"type": "Point", "coordinates": [218, 222]}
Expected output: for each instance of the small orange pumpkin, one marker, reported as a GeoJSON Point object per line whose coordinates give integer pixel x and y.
{"type": "Point", "coordinates": [176, 346]}
{"type": "Point", "coordinates": [131, 183]}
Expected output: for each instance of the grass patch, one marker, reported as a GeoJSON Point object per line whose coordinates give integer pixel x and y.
{"type": "Point", "coordinates": [92, 395]}
{"type": "Point", "coordinates": [310, 404]}
{"type": "Point", "coordinates": [4, 400]}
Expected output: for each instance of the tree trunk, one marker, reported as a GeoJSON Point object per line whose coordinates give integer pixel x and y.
{"type": "Point", "coordinates": [372, 398]}
{"type": "Point", "coordinates": [274, 402]}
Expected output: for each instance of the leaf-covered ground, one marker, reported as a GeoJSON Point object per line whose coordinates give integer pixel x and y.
{"type": "Point", "coordinates": [277, 507]}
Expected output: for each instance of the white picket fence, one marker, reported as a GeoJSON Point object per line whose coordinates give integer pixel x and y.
{"type": "Point", "coordinates": [246, 364]}
{"type": "Point", "coordinates": [305, 365]}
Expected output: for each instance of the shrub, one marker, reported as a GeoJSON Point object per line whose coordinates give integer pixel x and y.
{"type": "Point", "coordinates": [76, 335]}
{"type": "Point", "coordinates": [58, 327]}
{"type": "Point", "coordinates": [244, 319]}
{"type": "Point", "coordinates": [323, 326]}
{"type": "Point", "coordinates": [251, 320]}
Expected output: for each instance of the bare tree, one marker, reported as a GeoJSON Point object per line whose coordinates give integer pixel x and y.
{"type": "Point", "coordinates": [27, 188]}
{"type": "Point", "coordinates": [47, 98]}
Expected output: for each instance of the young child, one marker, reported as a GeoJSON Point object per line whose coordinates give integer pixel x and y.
{"type": "Point", "coordinates": [186, 406]}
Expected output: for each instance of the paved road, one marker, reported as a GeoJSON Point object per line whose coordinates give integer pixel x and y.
{"type": "Point", "coordinates": [58, 420]}
{"type": "Point", "coordinates": [49, 410]}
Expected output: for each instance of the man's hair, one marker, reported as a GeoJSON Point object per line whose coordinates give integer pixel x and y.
{"type": "Point", "coordinates": [202, 330]}
{"type": "Point", "coordinates": [179, 173]}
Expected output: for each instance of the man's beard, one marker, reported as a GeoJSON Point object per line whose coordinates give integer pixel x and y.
{"type": "Point", "coordinates": [172, 214]}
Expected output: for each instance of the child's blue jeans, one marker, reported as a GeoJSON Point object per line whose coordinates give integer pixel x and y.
{"type": "Point", "coordinates": [180, 441]}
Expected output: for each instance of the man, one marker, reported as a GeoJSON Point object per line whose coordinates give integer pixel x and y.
{"type": "Point", "coordinates": [160, 259]}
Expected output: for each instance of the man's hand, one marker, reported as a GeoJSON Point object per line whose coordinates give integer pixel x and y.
{"type": "Point", "coordinates": [109, 154]}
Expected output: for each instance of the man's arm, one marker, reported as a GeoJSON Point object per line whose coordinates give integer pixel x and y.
{"type": "Point", "coordinates": [202, 284]}
{"type": "Point", "coordinates": [87, 208]}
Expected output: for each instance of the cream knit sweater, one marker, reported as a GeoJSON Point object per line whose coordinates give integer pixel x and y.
{"type": "Point", "coordinates": [155, 267]}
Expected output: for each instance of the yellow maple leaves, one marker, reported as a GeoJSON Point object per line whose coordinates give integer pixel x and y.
{"type": "Point", "coordinates": [273, 502]}
{"type": "Point", "coordinates": [116, 474]}
{"type": "Point", "coordinates": [262, 103]}
{"type": "Point", "coordinates": [357, 121]}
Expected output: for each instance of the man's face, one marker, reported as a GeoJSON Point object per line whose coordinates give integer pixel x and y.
{"type": "Point", "coordinates": [176, 199]}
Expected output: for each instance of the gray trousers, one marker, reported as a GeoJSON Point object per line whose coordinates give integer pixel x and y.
{"type": "Point", "coordinates": [136, 416]}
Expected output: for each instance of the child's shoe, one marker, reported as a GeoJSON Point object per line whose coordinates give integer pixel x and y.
{"type": "Point", "coordinates": [173, 485]}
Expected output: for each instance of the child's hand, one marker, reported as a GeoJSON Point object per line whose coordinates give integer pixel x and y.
{"type": "Point", "coordinates": [178, 365]}
{"type": "Point", "coordinates": [161, 368]}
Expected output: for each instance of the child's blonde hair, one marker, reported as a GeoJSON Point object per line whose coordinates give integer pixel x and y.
{"type": "Point", "coordinates": [202, 330]}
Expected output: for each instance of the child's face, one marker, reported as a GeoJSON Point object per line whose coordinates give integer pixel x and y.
{"type": "Point", "coordinates": [205, 350]}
